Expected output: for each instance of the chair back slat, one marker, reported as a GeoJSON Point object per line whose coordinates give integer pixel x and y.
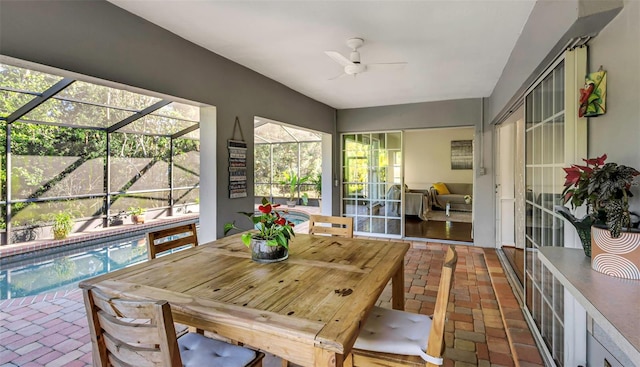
{"type": "Point", "coordinates": [133, 332]}
{"type": "Point", "coordinates": [117, 307]}
{"type": "Point", "coordinates": [435, 344]}
{"type": "Point", "coordinates": [160, 241]}
{"type": "Point", "coordinates": [328, 225]}
{"type": "Point", "coordinates": [136, 356]}
{"type": "Point", "coordinates": [129, 332]}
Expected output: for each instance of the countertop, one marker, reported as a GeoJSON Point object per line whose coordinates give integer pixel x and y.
{"type": "Point", "coordinates": [614, 303]}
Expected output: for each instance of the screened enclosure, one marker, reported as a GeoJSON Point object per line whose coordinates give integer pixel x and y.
{"type": "Point", "coordinates": [90, 150]}
{"type": "Point", "coordinates": [282, 150]}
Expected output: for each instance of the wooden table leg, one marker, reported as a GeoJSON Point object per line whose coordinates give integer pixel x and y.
{"type": "Point", "coordinates": [397, 288]}
{"type": "Point", "coordinates": [326, 358]}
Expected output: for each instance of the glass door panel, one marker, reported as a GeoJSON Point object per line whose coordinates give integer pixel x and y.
{"type": "Point", "coordinates": [544, 177]}
{"type": "Point", "coordinates": [372, 182]}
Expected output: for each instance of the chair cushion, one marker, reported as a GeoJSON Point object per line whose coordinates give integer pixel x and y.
{"type": "Point", "coordinates": [198, 350]}
{"type": "Point", "coordinates": [441, 188]}
{"type": "Point", "coordinates": [397, 332]}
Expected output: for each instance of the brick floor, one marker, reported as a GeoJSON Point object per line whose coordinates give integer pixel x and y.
{"type": "Point", "coordinates": [485, 325]}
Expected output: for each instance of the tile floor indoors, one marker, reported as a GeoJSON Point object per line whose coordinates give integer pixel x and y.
{"type": "Point", "coordinates": [485, 325]}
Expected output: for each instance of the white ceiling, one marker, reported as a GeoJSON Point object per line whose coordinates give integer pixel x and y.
{"type": "Point", "coordinates": [454, 49]}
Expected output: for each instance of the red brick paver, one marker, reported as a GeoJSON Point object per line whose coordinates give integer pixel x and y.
{"type": "Point", "coordinates": [484, 328]}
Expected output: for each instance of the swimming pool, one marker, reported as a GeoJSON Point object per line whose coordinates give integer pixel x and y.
{"type": "Point", "coordinates": [59, 271]}
{"type": "Point", "coordinates": [52, 271]}
{"type": "Point", "coordinates": [296, 217]}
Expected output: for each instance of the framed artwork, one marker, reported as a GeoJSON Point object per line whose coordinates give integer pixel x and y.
{"type": "Point", "coordinates": [462, 154]}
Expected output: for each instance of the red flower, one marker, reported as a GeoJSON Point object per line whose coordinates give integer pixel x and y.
{"type": "Point", "coordinates": [281, 221]}
{"type": "Point", "coordinates": [291, 224]}
{"type": "Point", "coordinates": [265, 209]}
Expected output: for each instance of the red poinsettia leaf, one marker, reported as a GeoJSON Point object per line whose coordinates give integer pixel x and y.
{"type": "Point", "coordinates": [568, 196]}
{"type": "Point", "coordinates": [596, 161]}
{"type": "Point", "coordinates": [572, 177]}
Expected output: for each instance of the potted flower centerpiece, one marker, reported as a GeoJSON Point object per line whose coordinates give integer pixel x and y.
{"type": "Point", "coordinates": [271, 241]}
{"type": "Point", "coordinates": [605, 188]}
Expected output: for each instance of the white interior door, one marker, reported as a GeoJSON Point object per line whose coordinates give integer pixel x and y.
{"type": "Point", "coordinates": [505, 183]}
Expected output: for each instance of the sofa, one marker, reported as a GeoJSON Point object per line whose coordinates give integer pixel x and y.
{"type": "Point", "coordinates": [455, 197]}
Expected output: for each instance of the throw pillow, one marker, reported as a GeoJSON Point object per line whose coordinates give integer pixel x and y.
{"type": "Point", "coordinates": [441, 188]}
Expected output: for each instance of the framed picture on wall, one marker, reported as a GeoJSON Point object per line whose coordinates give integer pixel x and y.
{"type": "Point", "coordinates": [462, 154]}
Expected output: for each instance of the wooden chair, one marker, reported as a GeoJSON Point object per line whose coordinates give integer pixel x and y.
{"type": "Point", "coordinates": [337, 226]}
{"type": "Point", "coordinates": [165, 241]}
{"type": "Point", "coordinates": [141, 333]}
{"type": "Point", "coordinates": [399, 338]}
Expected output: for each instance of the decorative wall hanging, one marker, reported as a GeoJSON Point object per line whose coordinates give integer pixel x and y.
{"type": "Point", "coordinates": [462, 154]}
{"type": "Point", "coordinates": [593, 96]}
{"type": "Point", "coordinates": [237, 164]}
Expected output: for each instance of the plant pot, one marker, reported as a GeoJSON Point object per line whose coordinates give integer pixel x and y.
{"type": "Point", "coordinates": [291, 203]}
{"type": "Point", "coordinates": [618, 257]}
{"type": "Point", "coordinates": [137, 219]}
{"type": "Point", "coordinates": [582, 226]}
{"type": "Point", "coordinates": [263, 253]}
{"type": "Point", "coordinates": [59, 234]}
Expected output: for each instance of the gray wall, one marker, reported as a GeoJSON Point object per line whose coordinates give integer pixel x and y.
{"type": "Point", "coordinates": [451, 113]}
{"type": "Point", "coordinates": [438, 114]}
{"type": "Point", "coordinates": [98, 39]}
{"type": "Point", "coordinates": [617, 132]}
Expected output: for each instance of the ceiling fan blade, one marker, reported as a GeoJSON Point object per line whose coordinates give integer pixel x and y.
{"type": "Point", "coordinates": [338, 76]}
{"type": "Point", "coordinates": [337, 57]}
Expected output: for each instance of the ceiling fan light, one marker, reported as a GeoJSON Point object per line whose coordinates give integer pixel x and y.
{"type": "Point", "coordinates": [354, 69]}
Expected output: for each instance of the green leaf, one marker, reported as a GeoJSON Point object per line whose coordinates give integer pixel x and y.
{"type": "Point", "coordinates": [228, 227]}
{"type": "Point", "coordinates": [246, 238]}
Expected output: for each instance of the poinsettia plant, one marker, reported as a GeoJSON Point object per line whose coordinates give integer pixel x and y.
{"type": "Point", "coordinates": [605, 188]}
{"type": "Point", "coordinates": [271, 225]}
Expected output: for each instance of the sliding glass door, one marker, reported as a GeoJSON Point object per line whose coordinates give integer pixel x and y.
{"type": "Point", "coordinates": [372, 186]}
{"type": "Point", "coordinates": [554, 138]}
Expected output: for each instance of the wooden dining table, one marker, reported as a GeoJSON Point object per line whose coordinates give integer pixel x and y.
{"type": "Point", "coordinates": [307, 309]}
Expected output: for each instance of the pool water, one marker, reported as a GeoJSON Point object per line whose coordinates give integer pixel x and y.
{"type": "Point", "coordinates": [52, 271]}
{"type": "Point", "coordinates": [296, 217]}
{"type": "Point", "coordinates": [62, 271]}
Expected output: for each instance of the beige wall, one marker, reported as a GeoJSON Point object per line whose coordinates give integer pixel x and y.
{"type": "Point", "coordinates": [428, 157]}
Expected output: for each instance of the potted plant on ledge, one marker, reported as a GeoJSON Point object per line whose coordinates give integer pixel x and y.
{"type": "Point", "coordinates": [62, 225]}
{"type": "Point", "coordinates": [271, 242]}
{"type": "Point", "coordinates": [293, 182]}
{"type": "Point", "coordinates": [605, 188]}
{"type": "Point", "coordinates": [137, 214]}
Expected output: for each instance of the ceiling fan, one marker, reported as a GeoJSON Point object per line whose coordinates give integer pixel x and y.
{"type": "Point", "coordinates": [352, 65]}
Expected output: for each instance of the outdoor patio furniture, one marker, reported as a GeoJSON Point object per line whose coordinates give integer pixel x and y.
{"type": "Point", "coordinates": [328, 225]}
{"type": "Point", "coordinates": [166, 239]}
{"type": "Point", "coordinates": [307, 310]}
{"type": "Point", "coordinates": [393, 337]}
{"type": "Point", "coordinates": [141, 333]}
